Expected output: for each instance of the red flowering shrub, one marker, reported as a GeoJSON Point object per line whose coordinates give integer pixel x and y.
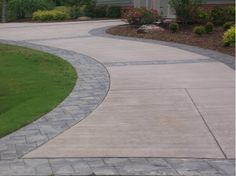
{"type": "Point", "coordinates": [141, 16]}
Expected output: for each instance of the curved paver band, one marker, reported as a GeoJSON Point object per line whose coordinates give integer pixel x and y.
{"type": "Point", "coordinates": [90, 90]}
{"type": "Point", "coordinates": [224, 58]}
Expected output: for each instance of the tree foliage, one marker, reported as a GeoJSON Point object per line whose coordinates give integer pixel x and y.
{"type": "Point", "coordinates": [4, 10]}
{"type": "Point", "coordinates": [25, 8]}
{"type": "Point", "coordinates": [73, 2]}
{"type": "Point", "coordinates": [184, 9]}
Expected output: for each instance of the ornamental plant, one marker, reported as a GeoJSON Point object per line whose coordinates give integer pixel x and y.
{"type": "Point", "coordinates": [185, 9]}
{"type": "Point", "coordinates": [209, 27]}
{"type": "Point", "coordinates": [229, 37]}
{"type": "Point", "coordinates": [227, 26]}
{"type": "Point", "coordinates": [199, 30]}
{"type": "Point", "coordinates": [174, 27]}
{"type": "Point", "coordinates": [142, 16]}
{"type": "Point", "coordinates": [201, 16]}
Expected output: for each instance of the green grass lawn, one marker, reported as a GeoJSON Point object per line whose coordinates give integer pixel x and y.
{"type": "Point", "coordinates": [31, 84]}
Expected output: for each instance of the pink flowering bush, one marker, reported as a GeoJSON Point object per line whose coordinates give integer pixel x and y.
{"type": "Point", "coordinates": [141, 16]}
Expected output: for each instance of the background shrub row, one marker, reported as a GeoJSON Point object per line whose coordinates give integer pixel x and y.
{"type": "Point", "coordinates": [55, 9]}
{"type": "Point", "coordinates": [62, 12]}
{"type": "Point", "coordinates": [187, 11]}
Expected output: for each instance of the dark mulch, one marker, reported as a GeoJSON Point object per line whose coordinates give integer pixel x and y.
{"type": "Point", "coordinates": [213, 41]}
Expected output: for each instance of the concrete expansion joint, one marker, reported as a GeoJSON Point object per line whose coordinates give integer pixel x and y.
{"type": "Point", "coordinates": [207, 126]}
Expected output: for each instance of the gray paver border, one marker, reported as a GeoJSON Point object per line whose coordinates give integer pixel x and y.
{"type": "Point", "coordinates": [224, 58]}
{"type": "Point", "coordinates": [89, 91]}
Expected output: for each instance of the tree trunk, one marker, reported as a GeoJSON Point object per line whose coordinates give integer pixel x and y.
{"type": "Point", "coordinates": [4, 11]}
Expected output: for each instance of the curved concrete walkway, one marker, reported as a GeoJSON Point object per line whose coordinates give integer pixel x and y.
{"type": "Point", "coordinates": [164, 102]}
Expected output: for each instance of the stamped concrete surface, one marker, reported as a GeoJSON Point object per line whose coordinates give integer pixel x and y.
{"type": "Point", "coordinates": [163, 102]}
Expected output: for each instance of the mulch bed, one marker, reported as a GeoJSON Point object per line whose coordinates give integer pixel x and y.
{"type": "Point", "coordinates": [213, 41]}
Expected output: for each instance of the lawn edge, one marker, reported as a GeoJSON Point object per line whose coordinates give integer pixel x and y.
{"type": "Point", "coordinates": [92, 87]}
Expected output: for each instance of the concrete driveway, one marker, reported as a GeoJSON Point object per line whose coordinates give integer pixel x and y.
{"type": "Point", "coordinates": [163, 101]}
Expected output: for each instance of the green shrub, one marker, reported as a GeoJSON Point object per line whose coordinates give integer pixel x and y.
{"type": "Point", "coordinates": [230, 13]}
{"type": "Point", "coordinates": [209, 27]}
{"type": "Point", "coordinates": [25, 8]}
{"type": "Point", "coordinates": [201, 16]}
{"type": "Point", "coordinates": [185, 9]}
{"type": "Point", "coordinates": [1, 10]}
{"type": "Point", "coordinates": [86, 10]}
{"type": "Point", "coordinates": [148, 17]}
{"type": "Point", "coordinates": [227, 26]}
{"type": "Point", "coordinates": [141, 16]}
{"type": "Point", "coordinates": [74, 2]}
{"type": "Point", "coordinates": [78, 8]}
{"type": "Point", "coordinates": [42, 16]}
{"type": "Point", "coordinates": [49, 15]}
{"type": "Point", "coordinates": [100, 11]}
{"type": "Point", "coordinates": [113, 12]}
{"type": "Point", "coordinates": [73, 12]}
{"type": "Point", "coordinates": [220, 15]}
{"type": "Point", "coordinates": [64, 9]}
{"type": "Point", "coordinates": [174, 27]}
{"type": "Point", "coordinates": [229, 37]}
{"type": "Point", "coordinates": [59, 15]}
{"type": "Point", "coordinates": [199, 30]}
{"type": "Point", "coordinates": [217, 15]}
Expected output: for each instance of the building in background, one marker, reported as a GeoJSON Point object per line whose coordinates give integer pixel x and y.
{"type": "Point", "coordinates": [162, 6]}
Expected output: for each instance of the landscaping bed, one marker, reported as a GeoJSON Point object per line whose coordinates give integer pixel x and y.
{"type": "Point", "coordinates": [32, 84]}
{"type": "Point", "coordinates": [213, 41]}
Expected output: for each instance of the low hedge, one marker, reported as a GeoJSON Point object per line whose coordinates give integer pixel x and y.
{"type": "Point", "coordinates": [50, 15]}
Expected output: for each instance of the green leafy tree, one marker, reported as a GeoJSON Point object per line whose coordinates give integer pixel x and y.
{"type": "Point", "coordinates": [4, 10]}
{"type": "Point", "coordinates": [184, 9]}
{"type": "Point", "coordinates": [73, 2]}
{"type": "Point", "coordinates": [24, 8]}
